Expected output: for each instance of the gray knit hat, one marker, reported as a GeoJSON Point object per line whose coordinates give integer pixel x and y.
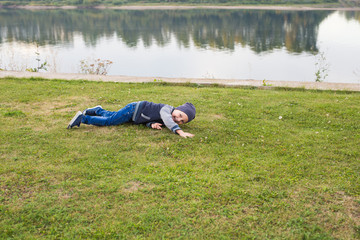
{"type": "Point", "coordinates": [188, 109]}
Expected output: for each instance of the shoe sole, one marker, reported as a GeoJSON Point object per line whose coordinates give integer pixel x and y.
{"type": "Point", "coordinates": [74, 119]}
{"type": "Point", "coordinates": [84, 112]}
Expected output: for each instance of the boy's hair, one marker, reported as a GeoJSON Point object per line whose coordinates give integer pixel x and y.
{"type": "Point", "coordinates": [188, 109]}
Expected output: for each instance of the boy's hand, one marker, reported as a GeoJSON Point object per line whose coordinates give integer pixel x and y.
{"type": "Point", "coordinates": [184, 134]}
{"type": "Point", "coordinates": [156, 126]}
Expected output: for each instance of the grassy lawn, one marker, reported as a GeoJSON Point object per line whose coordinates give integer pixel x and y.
{"type": "Point", "coordinates": [264, 164]}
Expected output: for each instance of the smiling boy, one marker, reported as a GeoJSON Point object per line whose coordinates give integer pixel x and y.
{"type": "Point", "coordinates": [154, 115]}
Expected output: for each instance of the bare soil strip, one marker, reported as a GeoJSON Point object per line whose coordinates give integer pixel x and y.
{"type": "Point", "coordinates": [268, 84]}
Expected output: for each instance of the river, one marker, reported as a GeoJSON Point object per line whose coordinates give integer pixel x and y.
{"type": "Point", "coordinates": [305, 46]}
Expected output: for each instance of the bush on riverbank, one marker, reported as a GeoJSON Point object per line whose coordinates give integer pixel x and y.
{"type": "Point", "coordinates": [264, 164]}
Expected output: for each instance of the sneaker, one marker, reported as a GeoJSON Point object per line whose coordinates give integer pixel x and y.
{"type": "Point", "coordinates": [91, 111]}
{"type": "Point", "coordinates": [76, 121]}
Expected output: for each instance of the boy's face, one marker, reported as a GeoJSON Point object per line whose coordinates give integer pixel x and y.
{"type": "Point", "coordinates": [179, 117]}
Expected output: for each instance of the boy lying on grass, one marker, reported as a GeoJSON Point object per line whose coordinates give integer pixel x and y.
{"type": "Point", "coordinates": [154, 115]}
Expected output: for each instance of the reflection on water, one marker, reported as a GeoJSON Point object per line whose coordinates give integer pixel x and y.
{"type": "Point", "coordinates": [262, 30]}
{"type": "Point", "coordinates": [279, 45]}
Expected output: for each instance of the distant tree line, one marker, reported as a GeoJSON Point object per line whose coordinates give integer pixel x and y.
{"type": "Point", "coordinates": [123, 2]}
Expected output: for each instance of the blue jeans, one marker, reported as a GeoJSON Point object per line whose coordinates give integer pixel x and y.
{"type": "Point", "coordinates": [108, 118]}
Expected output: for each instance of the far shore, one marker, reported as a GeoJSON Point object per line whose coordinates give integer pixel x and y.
{"type": "Point", "coordinates": [186, 7]}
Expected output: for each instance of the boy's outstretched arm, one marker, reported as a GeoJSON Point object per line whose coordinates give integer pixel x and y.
{"type": "Point", "coordinates": [180, 132]}
{"type": "Point", "coordinates": [184, 134]}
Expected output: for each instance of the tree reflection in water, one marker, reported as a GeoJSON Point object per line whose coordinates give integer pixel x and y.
{"type": "Point", "coordinates": [220, 29]}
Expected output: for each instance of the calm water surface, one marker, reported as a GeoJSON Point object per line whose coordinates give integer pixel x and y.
{"type": "Point", "coordinates": [233, 44]}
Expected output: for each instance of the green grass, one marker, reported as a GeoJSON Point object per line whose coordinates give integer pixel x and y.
{"type": "Point", "coordinates": [246, 174]}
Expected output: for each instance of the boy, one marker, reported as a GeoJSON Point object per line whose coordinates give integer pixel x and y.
{"type": "Point", "coordinates": [154, 115]}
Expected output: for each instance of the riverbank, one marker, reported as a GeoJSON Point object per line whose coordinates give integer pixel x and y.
{"type": "Point", "coordinates": [188, 7]}
{"type": "Point", "coordinates": [202, 81]}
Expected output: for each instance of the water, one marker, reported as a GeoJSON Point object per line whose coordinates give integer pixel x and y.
{"type": "Point", "coordinates": [229, 44]}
